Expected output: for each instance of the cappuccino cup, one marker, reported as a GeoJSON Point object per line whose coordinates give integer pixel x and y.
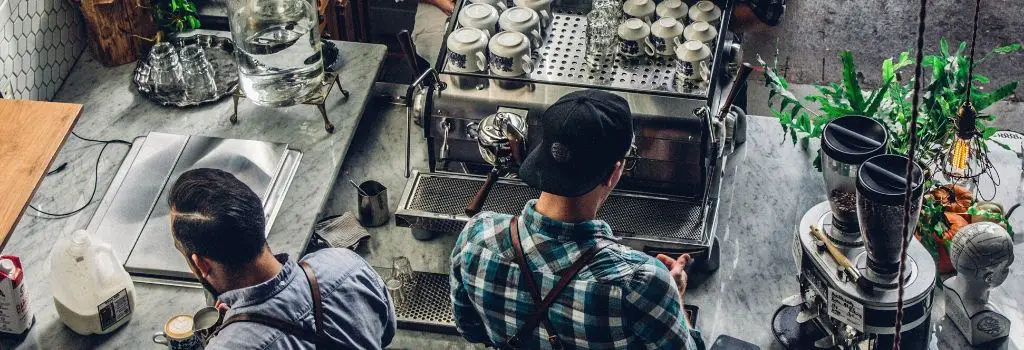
{"type": "Point", "coordinates": [510, 54]}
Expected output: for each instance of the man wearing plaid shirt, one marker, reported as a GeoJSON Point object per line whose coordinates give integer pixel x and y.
{"type": "Point", "coordinates": [621, 299]}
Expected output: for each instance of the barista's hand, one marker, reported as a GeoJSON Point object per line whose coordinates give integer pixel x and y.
{"type": "Point", "coordinates": [446, 6]}
{"type": "Point", "coordinates": [675, 267]}
{"type": "Point", "coordinates": [221, 306]}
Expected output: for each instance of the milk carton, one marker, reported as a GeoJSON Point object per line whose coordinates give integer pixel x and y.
{"type": "Point", "coordinates": [14, 315]}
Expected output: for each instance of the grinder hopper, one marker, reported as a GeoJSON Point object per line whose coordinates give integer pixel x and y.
{"type": "Point", "coordinates": [847, 142]}
{"type": "Point", "coordinates": [881, 188]}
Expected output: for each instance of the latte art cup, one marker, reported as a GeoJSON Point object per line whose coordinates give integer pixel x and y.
{"type": "Point", "coordinates": [510, 54]}
{"type": "Point", "coordinates": [479, 16]}
{"type": "Point", "coordinates": [467, 48]}
{"type": "Point", "coordinates": [524, 20]}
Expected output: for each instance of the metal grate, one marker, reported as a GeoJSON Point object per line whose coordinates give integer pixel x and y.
{"type": "Point", "coordinates": [427, 303]}
{"type": "Point", "coordinates": [562, 59]}
{"type": "Point", "coordinates": [630, 216]}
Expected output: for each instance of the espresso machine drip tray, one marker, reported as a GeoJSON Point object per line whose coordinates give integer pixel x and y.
{"type": "Point", "coordinates": [133, 216]}
{"type": "Point", "coordinates": [435, 202]}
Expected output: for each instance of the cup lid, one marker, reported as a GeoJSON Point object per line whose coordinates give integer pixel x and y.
{"type": "Point", "coordinates": [478, 11]}
{"type": "Point", "coordinates": [466, 35]}
{"type": "Point", "coordinates": [853, 139]}
{"type": "Point", "coordinates": [518, 14]}
{"type": "Point", "coordinates": [508, 39]}
{"type": "Point", "coordinates": [693, 51]}
{"type": "Point", "coordinates": [882, 179]}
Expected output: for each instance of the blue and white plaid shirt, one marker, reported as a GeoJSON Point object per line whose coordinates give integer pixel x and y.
{"type": "Point", "coordinates": [623, 299]}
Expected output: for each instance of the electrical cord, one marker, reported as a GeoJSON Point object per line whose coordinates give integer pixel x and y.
{"type": "Point", "coordinates": [96, 178]}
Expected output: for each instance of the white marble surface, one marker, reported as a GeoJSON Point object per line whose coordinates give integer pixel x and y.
{"type": "Point", "coordinates": [113, 110]}
{"type": "Point", "coordinates": [773, 186]}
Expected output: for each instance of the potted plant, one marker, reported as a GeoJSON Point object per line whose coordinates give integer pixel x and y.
{"type": "Point", "coordinates": [943, 91]}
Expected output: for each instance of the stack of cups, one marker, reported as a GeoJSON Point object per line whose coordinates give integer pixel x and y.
{"type": "Point", "coordinates": [497, 38]}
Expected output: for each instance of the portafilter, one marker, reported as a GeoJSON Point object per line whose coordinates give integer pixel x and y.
{"type": "Point", "coordinates": [501, 138]}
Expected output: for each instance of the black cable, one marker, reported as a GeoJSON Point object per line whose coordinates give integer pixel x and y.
{"type": "Point", "coordinates": [909, 192]}
{"type": "Point", "coordinates": [96, 178]}
{"type": "Point", "coordinates": [974, 38]}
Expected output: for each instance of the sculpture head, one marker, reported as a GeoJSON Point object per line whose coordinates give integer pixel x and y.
{"type": "Point", "coordinates": [982, 252]}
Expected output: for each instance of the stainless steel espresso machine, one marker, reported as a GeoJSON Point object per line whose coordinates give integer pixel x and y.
{"type": "Point", "coordinates": [666, 203]}
{"type": "Point", "coordinates": [847, 251]}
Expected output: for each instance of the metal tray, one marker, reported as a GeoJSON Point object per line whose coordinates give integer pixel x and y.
{"type": "Point", "coordinates": [220, 53]}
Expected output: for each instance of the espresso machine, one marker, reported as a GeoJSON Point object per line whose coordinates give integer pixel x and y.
{"type": "Point", "coordinates": [666, 203]}
{"type": "Point", "coordinates": [848, 249]}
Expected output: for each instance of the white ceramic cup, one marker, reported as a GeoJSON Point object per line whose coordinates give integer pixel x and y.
{"type": "Point", "coordinates": [705, 11]}
{"type": "Point", "coordinates": [467, 50]}
{"type": "Point", "coordinates": [666, 35]}
{"type": "Point", "coordinates": [693, 64]}
{"type": "Point", "coordinates": [642, 9]}
{"type": "Point", "coordinates": [479, 16]}
{"type": "Point", "coordinates": [524, 20]}
{"type": "Point", "coordinates": [634, 38]}
{"type": "Point", "coordinates": [702, 32]}
{"type": "Point", "coordinates": [497, 4]}
{"type": "Point", "coordinates": [510, 54]}
{"type": "Point", "coordinates": [543, 8]}
{"type": "Point", "coordinates": [672, 9]}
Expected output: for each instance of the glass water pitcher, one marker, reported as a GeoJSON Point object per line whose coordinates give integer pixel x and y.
{"type": "Point", "coordinates": [277, 49]}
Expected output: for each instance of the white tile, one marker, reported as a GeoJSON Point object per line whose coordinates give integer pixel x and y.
{"type": "Point", "coordinates": [8, 68]}
{"type": "Point", "coordinates": [40, 5]}
{"type": "Point", "coordinates": [5, 10]}
{"type": "Point", "coordinates": [48, 75]}
{"type": "Point", "coordinates": [36, 23]}
{"type": "Point", "coordinates": [30, 78]}
{"type": "Point", "coordinates": [18, 63]}
{"type": "Point", "coordinates": [21, 84]}
{"type": "Point", "coordinates": [39, 81]}
{"type": "Point", "coordinates": [8, 29]}
{"type": "Point", "coordinates": [22, 44]}
{"type": "Point", "coordinates": [22, 9]}
{"type": "Point", "coordinates": [5, 49]}
{"type": "Point", "coordinates": [64, 34]}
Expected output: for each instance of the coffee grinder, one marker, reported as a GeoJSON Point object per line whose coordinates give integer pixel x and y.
{"type": "Point", "coordinates": [849, 280]}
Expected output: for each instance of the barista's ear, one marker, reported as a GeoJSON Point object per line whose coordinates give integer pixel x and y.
{"type": "Point", "coordinates": [202, 264]}
{"type": "Point", "coordinates": [613, 178]}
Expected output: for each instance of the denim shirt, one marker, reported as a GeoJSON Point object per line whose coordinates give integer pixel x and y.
{"type": "Point", "coordinates": [358, 312]}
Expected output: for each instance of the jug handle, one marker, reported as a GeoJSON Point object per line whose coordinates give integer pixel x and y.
{"type": "Point", "coordinates": [104, 255]}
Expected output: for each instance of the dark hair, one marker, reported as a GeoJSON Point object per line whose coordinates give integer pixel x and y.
{"type": "Point", "coordinates": [215, 215]}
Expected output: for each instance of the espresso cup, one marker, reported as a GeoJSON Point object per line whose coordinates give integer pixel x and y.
{"type": "Point", "coordinates": [479, 16]}
{"type": "Point", "coordinates": [705, 11]}
{"type": "Point", "coordinates": [665, 36]}
{"type": "Point", "coordinates": [497, 4]}
{"type": "Point", "coordinates": [693, 62]}
{"type": "Point", "coordinates": [178, 334]}
{"type": "Point", "coordinates": [467, 50]}
{"type": "Point", "coordinates": [634, 38]}
{"type": "Point", "coordinates": [510, 54]}
{"type": "Point", "coordinates": [543, 8]}
{"type": "Point", "coordinates": [524, 20]}
{"type": "Point", "coordinates": [642, 9]}
{"type": "Point", "coordinates": [672, 9]}
{"type": "Point", "coordinates": [702, 32]}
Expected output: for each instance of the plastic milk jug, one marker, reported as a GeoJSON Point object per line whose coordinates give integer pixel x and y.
{"type": "Point", "coordinates": [14, 315]}
{"type": "Point", "coordinates": [91, 290]}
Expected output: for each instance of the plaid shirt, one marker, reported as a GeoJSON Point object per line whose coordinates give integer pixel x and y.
{"type": "Point", "coordinates": [624, 299]}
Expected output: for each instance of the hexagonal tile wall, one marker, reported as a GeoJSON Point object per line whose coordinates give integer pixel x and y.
{"type": "Point", "coordinates": [39, 43]}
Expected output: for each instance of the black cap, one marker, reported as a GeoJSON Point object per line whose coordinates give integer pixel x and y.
{"type": "Point", "coordinates": [853, 139]}
{"type": "Point", "coordinates": [583, 134]}
{"type": "Point", "coordinates": [882, 179]}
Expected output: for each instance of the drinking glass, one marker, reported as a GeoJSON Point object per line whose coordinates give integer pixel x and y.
{"type": "Point", "coordinates": [401, 269]}
{"type": "Point", "coordinates": [165, 73]}
{"type": "Point", "coordinates": [397, 290]}
{"type": "Point", "coordinates": [197, 74]}
{"type": "Point", "coordinates": [602, 35]}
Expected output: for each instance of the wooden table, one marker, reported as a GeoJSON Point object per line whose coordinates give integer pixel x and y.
{"type": "Point", "coordinates": [30, 134]}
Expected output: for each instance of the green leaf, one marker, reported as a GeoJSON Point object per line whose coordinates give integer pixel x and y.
{"type": "Point", "coordinates": [944, 47]}
{"type": "Point", "coordinates": [960, 50]}
{"type": "Point", "coordinates": [982, 101]}
{"type": "Point", "coordinates": [876, 98]}
{"type": "Point", "coordinates": [981, 79]}
{"type": "Point", "coordinates": [1008, 48]}
{"type": "Point", "coordinates": [853, 93]}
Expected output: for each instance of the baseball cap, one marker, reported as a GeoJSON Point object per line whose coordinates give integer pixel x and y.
{"type": "Point", "coordinates": [583, 134]}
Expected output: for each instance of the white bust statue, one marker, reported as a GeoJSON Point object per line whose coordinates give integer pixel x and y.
{"type": "Point", "coordinates": [981, 253]}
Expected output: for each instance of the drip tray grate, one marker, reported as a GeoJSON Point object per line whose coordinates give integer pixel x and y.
{"type": "Point", "coordinates": [437, 201]}
{"type": "Point", "coordinates": [427, 305]}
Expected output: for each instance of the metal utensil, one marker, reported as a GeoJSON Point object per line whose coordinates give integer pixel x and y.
{"type": "Point", "coordinates": [360, 189]}
{"type": "Point", "coordinates": [373, 204]}
{"type": "Point", "coordinates": [501, 138]}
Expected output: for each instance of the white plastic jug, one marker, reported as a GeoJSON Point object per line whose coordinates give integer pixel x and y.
{"type": "Point", "coordinates": [91, 290]}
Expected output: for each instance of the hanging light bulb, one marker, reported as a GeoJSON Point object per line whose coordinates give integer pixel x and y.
{"type": "Point", "coordinates": [966, 157]}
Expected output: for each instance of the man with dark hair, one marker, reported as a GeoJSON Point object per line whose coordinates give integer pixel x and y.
{"type": "Point", "coordinates": [554, 276]}
{"type": "Point", "coordinates": [331, 298]}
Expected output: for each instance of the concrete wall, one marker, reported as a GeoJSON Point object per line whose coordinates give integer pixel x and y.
{"type": "Point", "coordinates": [873, 30]}
{"type": "Point", "coordinates": [39, 43]}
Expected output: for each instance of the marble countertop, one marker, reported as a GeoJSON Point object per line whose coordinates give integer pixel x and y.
{"type": "Point", "coordinates": [113, 110]}
{"type": "Point", "coordinates": [773, 185]}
